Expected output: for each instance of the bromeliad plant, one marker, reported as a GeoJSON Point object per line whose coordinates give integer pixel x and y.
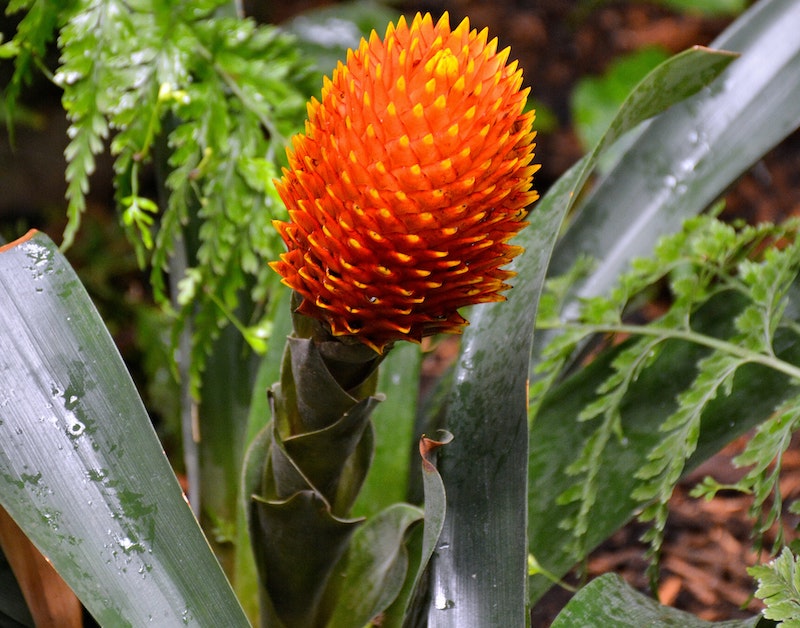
{"type": "Point", "coordinates": [413, 173]}
{"type": "Point", "coordinates": [403, 196]}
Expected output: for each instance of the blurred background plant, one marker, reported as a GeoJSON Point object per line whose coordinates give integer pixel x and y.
{"type": "Point", "coordinates": [177, 117]}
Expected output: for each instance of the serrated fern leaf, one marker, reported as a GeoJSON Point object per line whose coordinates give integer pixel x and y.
{"type": "Point", "coordinates": [91, 37]}
{"type": "Point", "coordinates": [667, 460]}
{"type": "Point", "coordinates": [34, 33]}
{"type": "Point", "coordinates": [225, 94]}
{"type": "Point", "coordinates": [764, 454]}
{"type": "Point", "coordinates": [779, 588]}
{"type": "Point", "coordinates": [627, 366]}
{"type": "Point", "coordinates": [706, 259]}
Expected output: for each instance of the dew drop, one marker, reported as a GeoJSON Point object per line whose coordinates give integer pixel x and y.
{"type": "Point", "coordinates": [75, 427]}
{"type": "Point", "coordinates": [442, 603]}
{"type": "Point", "coordinates": [67, 78]}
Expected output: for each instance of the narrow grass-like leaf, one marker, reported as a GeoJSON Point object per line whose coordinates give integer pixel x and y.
{"type": "Point", "coordinates": [82, 471]}
{"type": "Point", "coordinates": [245, 576]}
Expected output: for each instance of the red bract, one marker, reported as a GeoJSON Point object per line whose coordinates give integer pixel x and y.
{"type": "Point", "coordinates": [412, 175]}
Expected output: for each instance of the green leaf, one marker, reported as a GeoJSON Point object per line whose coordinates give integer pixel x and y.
{"type": "Point", "coordinates": [707, 7]}
{"type": "Point", "coordinates": [245, 576]}
{"type": "Point", "coordinates": [411, 605]}
{"type": "Point", "coordinates": [325, 34]}
{"type": "Point", "coordinates": [373, 572]}
{"type": "Point", "coordinates": [222, 420]}
{"type": "Point", "coordinates": [35, 32]}
{"type": "Point", "coordinates": [393, 422]}
{"type": "Point", "coordinates": [706, 258]}
{"type": "Point", "coordinates": [485, 469]}
{"type": "Point", "coordinates": [610, 601]}
{"type": "Point", "coordinates": [82, 470]}
{"type": "Point", "coordinates": [779, 588]}
{"type": "Point", "coordinates": [555, 434]}
{"type": "Point", "coordinates": [320, 444]}
{"type": "Point", "coordinates": [299, 539]}
{"type": "Point", "coordinates": [682, 161]}
{"type": "Point", "coordinates": [8, 50]}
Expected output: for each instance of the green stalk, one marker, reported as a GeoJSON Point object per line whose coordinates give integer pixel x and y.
{"type": "Point", "coordinates": [306, 470]}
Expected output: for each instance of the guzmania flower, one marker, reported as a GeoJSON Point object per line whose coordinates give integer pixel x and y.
{"type": "Point", "coordinates": [413, 173]}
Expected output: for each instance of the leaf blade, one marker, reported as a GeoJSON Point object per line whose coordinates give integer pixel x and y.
{"type": "Point", "coordinates": [83, 472]}
{"type": "Point", "coordinates": [609, 601]}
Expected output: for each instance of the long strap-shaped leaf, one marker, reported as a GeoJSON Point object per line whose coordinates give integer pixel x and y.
{"type": "Point", "coordinates": [687, 157]}
{"type": "Point", "coordinates": [81, 469]}
{"type": "Point", "coordinates": [480, 569]}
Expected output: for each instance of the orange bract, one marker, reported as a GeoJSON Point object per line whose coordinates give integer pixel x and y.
{"type": "Point", "coordinates": [413, 173]}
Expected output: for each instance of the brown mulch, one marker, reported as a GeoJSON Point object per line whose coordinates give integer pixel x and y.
{"type": "Point", "coordinates": [707, 549]}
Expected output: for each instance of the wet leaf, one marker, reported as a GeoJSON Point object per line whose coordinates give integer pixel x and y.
{"type": "Point", "coordinates": [689, 155]}
{"type": "Point", "coordinates": [82, 471]}
{"type": "Point", "coordinates": [610, 601]}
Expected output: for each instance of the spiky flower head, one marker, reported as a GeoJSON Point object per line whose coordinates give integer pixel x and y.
{"type": "Point", "coordinates": [413, 173]}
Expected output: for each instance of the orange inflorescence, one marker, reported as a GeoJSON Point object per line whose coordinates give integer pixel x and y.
{"type": "Point", "coordinates": [412, 175]}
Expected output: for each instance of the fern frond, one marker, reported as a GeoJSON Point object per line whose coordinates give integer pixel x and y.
{"type": "Point", "coordinates": [667, 461]}
{"type": "Point", "coordinates": [764, 454]}
{"type": "Point", "coordinates": [779, 588]}
{"type": "Point", "coordinates": [35, 32]}
{"type": "Point", "coordinates": [203, 101]}
{"type": "Point", "coordinates": [705, 260]}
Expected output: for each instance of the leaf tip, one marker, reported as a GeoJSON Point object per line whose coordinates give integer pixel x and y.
{"type": "Point", "coordinates": [18, 241]}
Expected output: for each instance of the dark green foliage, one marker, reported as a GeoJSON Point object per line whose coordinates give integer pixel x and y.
{"type": "Point", "coordinates": [610, 601]}
{"type": "Point", "coordinates": [204, 102]}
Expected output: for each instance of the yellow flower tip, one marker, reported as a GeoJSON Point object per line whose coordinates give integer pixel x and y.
{"type": "Point", "coordinates": [462, 29]}
{"type": "Point", "coordinates": [413, 174]}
